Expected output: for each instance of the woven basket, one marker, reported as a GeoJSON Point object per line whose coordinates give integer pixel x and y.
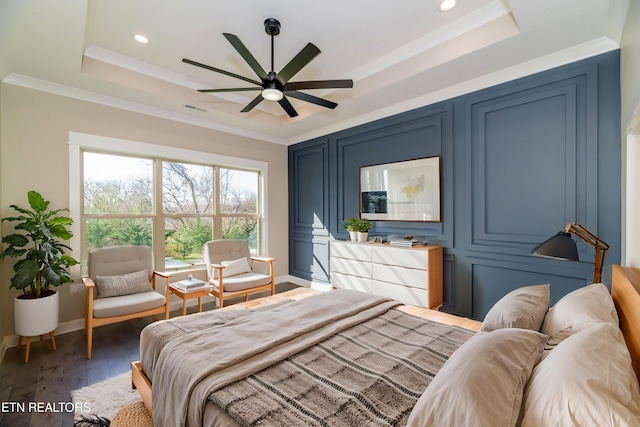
{"type": "Point", "coordinates": [132, 415]}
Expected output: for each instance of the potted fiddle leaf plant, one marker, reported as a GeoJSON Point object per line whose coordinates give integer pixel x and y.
{"type": "Point", "coordinates": [42, 264]}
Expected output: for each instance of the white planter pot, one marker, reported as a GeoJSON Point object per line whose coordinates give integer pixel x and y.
{"type": "Point", "coordinates": [33, 317]}
{"type": "Point", "coordinates": [353, 235]}
{"type": "Point", "coordinates": [362, 237]}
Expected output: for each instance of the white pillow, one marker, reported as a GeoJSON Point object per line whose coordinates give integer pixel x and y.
{"type": "Point", "coordinates": [233, 268]}
{"type": "Point", "coordinates": [521, 308]}
{"type": "Point", "coordinates": [587, 380]}
{"type": "Point", "coordinates": [482, 382]}
{"type": "Point", "coordinates": [579, 310]}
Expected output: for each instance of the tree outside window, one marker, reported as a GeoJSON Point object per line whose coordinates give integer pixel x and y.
{"type": "Point", "coordinates": [119, 207]}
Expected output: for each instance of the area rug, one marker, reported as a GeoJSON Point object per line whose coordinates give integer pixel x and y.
{"type": "Point", "coordinates": [106, 398]}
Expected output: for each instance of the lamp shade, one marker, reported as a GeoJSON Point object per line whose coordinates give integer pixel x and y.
{"type": "Point", "coordinates": [559, 246]}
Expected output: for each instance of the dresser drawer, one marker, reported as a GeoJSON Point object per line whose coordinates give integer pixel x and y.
{"type": "Point", "coordinates": [355, 283]}
{"type": "Point", "coordinates": [403, 257]}
{"type": "Point", "coordinates": [351, 266]}
{"type": "Point", "coordinates": [401, 275]}
{"type": "Point", "coordinates": [404, 294]}
{"type": "Point", "coordinates": [359, 251]}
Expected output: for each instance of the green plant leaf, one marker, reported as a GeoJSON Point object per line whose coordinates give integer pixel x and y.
{"type": "Point", "coordinates": [18, 240]}
{"type": "Point", "coordinates": [12, 252]}
{"type": "Point", "coordinates": [37, 202]}
{"type": "Point", "coordinates": [26, 272]}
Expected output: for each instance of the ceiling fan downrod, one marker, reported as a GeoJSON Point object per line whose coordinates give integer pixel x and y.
{"type": "Point", "coordinates": [272, 27]}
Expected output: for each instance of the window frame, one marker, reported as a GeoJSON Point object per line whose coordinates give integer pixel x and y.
{"type": "Point", "coordinates": [80, 142]}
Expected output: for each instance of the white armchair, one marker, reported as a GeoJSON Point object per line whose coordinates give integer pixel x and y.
{"type": "Point", "coordinates": [121, 286]}
{"type": "Point", "coordinates": [230, 270]}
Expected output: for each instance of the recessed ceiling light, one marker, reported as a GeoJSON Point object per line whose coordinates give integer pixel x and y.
{"type": "Point", "coordinates": [446, 5]}
{"type": "Point", "coordinates": [141, 39]}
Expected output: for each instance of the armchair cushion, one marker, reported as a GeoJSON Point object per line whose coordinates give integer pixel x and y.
{"type": "Point", "coordinates": [127, 304]}
{"type": "Point", "coordinates": [243, 281]}
{"type": "Point", "coordinates": [123, 284]}
{"type": "Point", "coordinates": [233, 268]}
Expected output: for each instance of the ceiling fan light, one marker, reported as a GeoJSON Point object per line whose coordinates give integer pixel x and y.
{"type": "Point", "coordinates": [272, 94]}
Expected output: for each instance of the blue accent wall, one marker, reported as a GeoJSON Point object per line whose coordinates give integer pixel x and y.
{"type": "Point", "coordinates": [518, 160]}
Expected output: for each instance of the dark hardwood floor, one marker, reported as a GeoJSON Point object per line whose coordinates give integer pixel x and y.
{"type": "Point", "coordinates": [50, 375]}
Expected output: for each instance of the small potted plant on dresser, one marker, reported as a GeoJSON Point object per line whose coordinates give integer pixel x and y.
{"type": "Point", "coordinates": [351, 225]}
{"type": "Point", "coordinates": [42, 264]}
{"type": "Point", "coordinates": [362, 227]}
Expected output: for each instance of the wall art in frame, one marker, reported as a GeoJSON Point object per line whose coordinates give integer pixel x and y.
{"type": "Point", "coordinates": [401, 191]}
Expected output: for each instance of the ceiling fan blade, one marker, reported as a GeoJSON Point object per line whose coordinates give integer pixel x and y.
{"type": "Point", "coordinates": [303, 57]}
{"type": "Point", "coordinates": [252, 104]}
{"type": "Point", "coordinates": [319, 84]}
{"type": "Point", "coordinates": [246, 55]}
{"type": "Point", "coordinates": [311, 98]}
{"type": "Point", "coordinates": [218, 70]}
{"type": "Point", "coordinates": [286, 105]}
{"type": "Point", "coordinates": [235, 89]}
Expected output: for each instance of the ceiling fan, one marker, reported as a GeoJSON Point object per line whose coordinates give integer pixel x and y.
{"type": "Point", "coordinates": [274, 86]}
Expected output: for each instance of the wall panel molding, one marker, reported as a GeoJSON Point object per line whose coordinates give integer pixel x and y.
{"type": "Point", "coordinates": [309, 186]}
{"type": "Point", "coordinates": [527, 180]}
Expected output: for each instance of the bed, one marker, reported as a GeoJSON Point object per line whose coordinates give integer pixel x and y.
{"type": "Point", "coordinates": [346, 358]}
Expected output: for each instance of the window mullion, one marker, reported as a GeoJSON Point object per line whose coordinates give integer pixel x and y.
{"type": "Point", "coordinates": [158, 216]}
{"type": "Point", "coordinates": [217, 217]}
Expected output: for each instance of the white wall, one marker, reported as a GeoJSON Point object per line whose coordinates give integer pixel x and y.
{"type": "Point", "coordinates": [630, 100]}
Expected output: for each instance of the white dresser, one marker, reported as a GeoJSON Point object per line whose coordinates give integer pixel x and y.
{"type": "Point", "coordinates": [409, 275]}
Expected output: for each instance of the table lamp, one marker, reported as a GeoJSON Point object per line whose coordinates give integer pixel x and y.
{"type": "Point", "coordinates": [562, 246]}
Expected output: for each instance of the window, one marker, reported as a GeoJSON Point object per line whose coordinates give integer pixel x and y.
{"type": "Point", "coordinates": [173, 206]}
{"type": "Point", "coordinates": [239, 206]}
{"type": "Point", "coordinates": [117, 201]}
{"type": "Point", "coordinates": [187, 208]}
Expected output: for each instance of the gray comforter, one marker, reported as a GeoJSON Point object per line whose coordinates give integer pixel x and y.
{"type": "Point", "coordinates": [205, 362]}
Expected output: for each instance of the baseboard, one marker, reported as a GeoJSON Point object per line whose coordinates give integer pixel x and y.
{"type": "Point", "coordinates": [321, 286]}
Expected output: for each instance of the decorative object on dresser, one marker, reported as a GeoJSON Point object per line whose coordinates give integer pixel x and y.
{"type": "Point", "coordinates": [562, 246]}
{"type": "Point", "coordinates": [406, 240]}
{"type": "Point", "coordinates": [358, 228]}
{"type": "Point", "coordinates": [411, 275]}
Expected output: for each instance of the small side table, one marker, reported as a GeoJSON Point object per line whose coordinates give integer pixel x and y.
{"type": "Point", "coordinates": [186, 295]}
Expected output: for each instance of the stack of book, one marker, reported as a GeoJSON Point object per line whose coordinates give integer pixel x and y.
{"type": "Point", "coordinates": [190, 285]}
{"type": "Point", "coordinates": [406, 242]}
